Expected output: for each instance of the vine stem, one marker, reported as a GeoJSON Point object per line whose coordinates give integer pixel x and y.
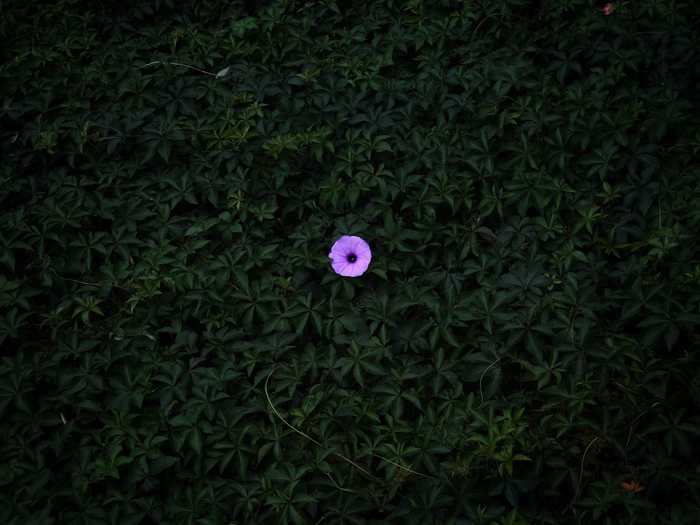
{"type": "Point", "coordinates": [317, 443]}
{"type": "Point", "coordinates": [481, 392]}
{"type": "Point", "coordinates": [580, 474]}
{"type": "Point", "coordinates": [178, 64]}
{"type": "Point", "coordinates": [305, 435]}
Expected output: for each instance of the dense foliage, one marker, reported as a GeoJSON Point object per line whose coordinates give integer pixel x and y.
{"type": "Point", "coordinates": [175, 348]}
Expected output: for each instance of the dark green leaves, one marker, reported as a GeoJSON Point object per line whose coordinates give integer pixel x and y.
{"type": "Point", "coordinates": [523, 343]}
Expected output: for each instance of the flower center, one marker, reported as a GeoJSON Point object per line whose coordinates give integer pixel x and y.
{"type": "Point", "coordinates": [352, 258]}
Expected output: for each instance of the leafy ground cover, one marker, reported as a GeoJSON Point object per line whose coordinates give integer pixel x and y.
{"type": "Point", "coordinates": [175, 346]}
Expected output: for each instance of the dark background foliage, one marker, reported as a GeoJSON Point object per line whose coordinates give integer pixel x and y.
{"type": "Point", "coordinates": [174, 347]}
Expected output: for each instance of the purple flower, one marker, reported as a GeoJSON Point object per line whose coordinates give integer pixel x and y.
{"type": "Point", "coordinates": [350, 256]}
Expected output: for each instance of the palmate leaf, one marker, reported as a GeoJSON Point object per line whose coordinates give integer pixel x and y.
{"type": "Point", "coordinates": [306, 310]}
{"type": "Point", "coordinates": [11, 323]}
{"type": "Point", "coordinates": [485, 306]}
{"type": "Point", "coordinates": [359, 362]}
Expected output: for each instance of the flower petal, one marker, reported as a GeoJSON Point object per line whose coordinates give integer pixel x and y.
{"type": "Point", "coordinates": [343, 247]}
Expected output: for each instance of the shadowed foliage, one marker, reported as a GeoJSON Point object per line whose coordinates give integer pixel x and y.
{"type": "Point", "coordinates": [176, 349]}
